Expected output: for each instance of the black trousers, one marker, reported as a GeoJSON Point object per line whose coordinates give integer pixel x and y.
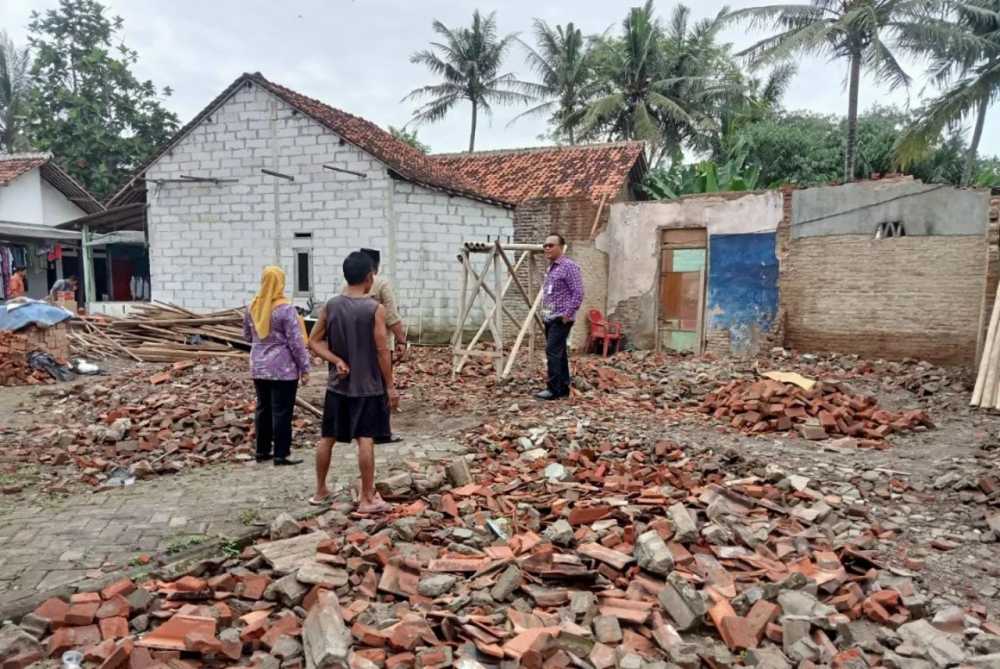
{"type": "Point", "coordinates": [273, 416]}
{"type": "Point", "coordinates": [556, 334]}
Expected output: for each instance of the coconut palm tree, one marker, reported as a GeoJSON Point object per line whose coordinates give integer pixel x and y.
{"type": "Point", "coordinates": [658, 85]}
{"type": "Point", "coordinates": [469, 61]}
{"type": "Point", "coordinates": [562, 61]}
{"type": "Point", "coordinates": [15, 65]}
{"type": "Point", "coordinates": [852, 30]}
{"type": "Point", "coordinates": [966, 51]}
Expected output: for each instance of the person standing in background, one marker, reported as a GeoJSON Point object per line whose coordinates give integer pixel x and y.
{"type": "Point", "coordinates": [562, 297]}
{"type": "Point", "coordinates": [18, 286]}
{"type": "Point", "coordinates": [279, 359]}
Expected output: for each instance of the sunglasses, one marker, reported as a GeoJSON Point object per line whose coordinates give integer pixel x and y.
{"type": "Point", "coordinates": [548, 246]}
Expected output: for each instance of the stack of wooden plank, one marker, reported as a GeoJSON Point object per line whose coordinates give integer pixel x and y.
{"type": "Point", "coordinates": [986, 393]}
{"type": "Point", "coordinates": [158, 332]}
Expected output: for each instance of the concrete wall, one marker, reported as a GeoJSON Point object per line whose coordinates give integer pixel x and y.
{"type": "Point", "coordinates": [916, 296]}
{"type": "Point", "coordinates": [858, 208]}
{"type": "Point", "coordinates": [21, 199]}
{"type": "Point", "coordinates": [208, 243]}
{"type": "Point", "coordinates": [632, 241]}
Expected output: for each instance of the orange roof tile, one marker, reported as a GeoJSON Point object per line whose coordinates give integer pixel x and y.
{"type": "Point", "coordinates": [516, 175]}
{"type": "Point", "coordinates": [15, 164]}
{"type": "Point", "coordinates": [406, 161]}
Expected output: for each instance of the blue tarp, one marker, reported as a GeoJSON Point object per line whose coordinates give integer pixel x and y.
{"type": "Point", "coordinates": [17, 315]}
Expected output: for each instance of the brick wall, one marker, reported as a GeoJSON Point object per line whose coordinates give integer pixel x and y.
{"type": "Point", "coordinates": [209, 242]}
{"type": "Point", "coordinates": [573, 218]}
{"type": "Point", "coordinates": [895, 298]}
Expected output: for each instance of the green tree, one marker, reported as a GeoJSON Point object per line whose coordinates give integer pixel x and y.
{"type": "Point", "coordinates": [852, 30]}
{"type": "Point", "coordinates": [15, 84]}
{"type": "Point", "coordinates": [87, 107]}
{"type": "Point", "coordinates": [660, 85]}
{"type": "Point", "coordinates": [966, 49]}
{"type": "Point", "coordinates": [562, 61]}
{"type": "Point", "coordinates": [758, 100]}
{"type": "Point", "coordinates": [805, 149]}
{"type": "Point", "coordinates": [469, 62]}
{"type": "Point", "coordinates": [410, 137]}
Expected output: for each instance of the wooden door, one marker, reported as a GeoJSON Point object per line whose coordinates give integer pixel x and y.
{"type": "Point", "coordinates": [683, 259]}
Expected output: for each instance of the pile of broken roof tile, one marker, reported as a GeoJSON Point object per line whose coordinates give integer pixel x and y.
{"type": "Point", "coordinates": [545, 549]}
{"type": "Point", "coordinates": [826, 409]}
{"type": "Point", "coordinates": [183, 416]}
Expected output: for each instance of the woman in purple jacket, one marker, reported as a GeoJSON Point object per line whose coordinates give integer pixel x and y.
{"type": "Point", "coordinates": [278, 360]}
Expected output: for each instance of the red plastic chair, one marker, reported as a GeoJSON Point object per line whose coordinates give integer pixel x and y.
{"type": "Point", "coordinates": [604, 331]}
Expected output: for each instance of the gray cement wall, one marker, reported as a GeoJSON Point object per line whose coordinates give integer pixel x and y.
{"type": "Point", "coordinates": [859, 208]}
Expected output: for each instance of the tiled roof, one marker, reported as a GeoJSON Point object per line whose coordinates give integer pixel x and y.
{"type": "Point", "coordinates": [406, 161]}
{"type": "Point", "coordinates": [591, 170]}
{"type": "Point", "coordinates": [13, 165]}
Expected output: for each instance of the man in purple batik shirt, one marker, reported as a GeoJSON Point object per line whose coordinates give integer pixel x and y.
{"type": "Point", "coordinates": [562, 297]}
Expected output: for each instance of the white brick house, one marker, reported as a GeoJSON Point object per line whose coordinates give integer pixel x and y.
{"type": "Point", "coordinates": [211, 208]}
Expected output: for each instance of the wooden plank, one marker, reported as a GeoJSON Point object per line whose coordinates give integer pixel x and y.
{"type": "Point", "coordinates": [456, 339]}
{"type": "Point", "coordinates": [989, 351]}
{"type": "Point", "coordinates": [498, 287]}
{"type": "Point", "coordinates": [517, 282]}
{"type": "Point", "coordinates": [520, 335]}
{"type": "Point", "coordinates": [597, 218]}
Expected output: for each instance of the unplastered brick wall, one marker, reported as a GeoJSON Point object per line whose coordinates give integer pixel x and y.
{"type": "Point", "coordinates": [901, 297]}
{"type": "Point", "coordinates": [209, 242]}
{"type": "Point", "coordinates": [573, 218]}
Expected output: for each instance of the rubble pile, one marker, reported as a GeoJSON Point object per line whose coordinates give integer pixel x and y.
{"type": "Point", "coordinates": [14, 367]}
{"type": "Point", "coordinates": [554, 545]}
{"type": "Point", "coordinates": [138, 424]}
{"type": "Point", "coordinates": [825, 409]}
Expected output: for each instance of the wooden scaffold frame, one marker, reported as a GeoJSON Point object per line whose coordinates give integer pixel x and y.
{"type": "Point", "coordinates": [503, 261]}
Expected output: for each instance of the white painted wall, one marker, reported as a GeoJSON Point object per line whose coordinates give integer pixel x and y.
{"type": "Point", "coordinates": [56, 207]}
{"type": "Point", "coordinates": [21, 199]}
{"type": "Point", "coordinates": [208, 243]}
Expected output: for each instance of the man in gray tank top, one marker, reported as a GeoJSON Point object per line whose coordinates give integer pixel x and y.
{"type": "Point", "coordinates": [351, 335]}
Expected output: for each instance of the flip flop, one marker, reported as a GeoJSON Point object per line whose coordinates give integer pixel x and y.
{"type": "Point", "coordinates": [319, 501]}
{"type": "Point", "coordinates": [381, 506]}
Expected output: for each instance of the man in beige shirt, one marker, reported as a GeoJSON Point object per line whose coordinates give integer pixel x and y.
{"type": "Point", "coordinates": [382, 292]}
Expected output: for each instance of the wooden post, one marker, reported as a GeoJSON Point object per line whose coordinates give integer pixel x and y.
{"type": "Point", "coordinates": [528, 325]}
{"type": "Point", "coordinates": [87, 256]}
{"type": "Point", "coordinates": [498, 292]}
{"type": "Point", "coordinates": [532, 268]}
{"type": "Point", "coordinates": [463, 289]}
{"type": "Point", "coordinates": [701, 312]}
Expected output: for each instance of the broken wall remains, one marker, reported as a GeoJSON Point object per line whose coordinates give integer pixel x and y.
{"type": "Point", "coordinates": [918, 295]}
{"type": "Point", "coordinates": [741, 286]}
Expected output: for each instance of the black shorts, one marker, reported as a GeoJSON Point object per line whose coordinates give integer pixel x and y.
{"type": "Point", "coordinates": [347, 418]}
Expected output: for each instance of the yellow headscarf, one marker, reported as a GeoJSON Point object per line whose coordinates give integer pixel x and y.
{"type": "Point", "coordinates": [270, 295]}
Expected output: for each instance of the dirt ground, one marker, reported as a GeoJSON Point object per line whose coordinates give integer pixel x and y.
{"type": "Point", "coordinates": [928, 487]}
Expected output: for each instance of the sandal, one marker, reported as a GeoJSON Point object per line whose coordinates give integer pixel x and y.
{"type": "Point", "coordinates": [380, 506]}
{"type": "Point", "coordinates": [319, 501]}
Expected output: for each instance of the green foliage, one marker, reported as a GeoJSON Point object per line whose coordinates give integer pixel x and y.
{"type": "Point", "coordinates": [807, 149]}
{"type": "Point", "coordinates": [410, 137]}
{"type": "Point", "coordinates": [469, 62]}
{"type": "Point", "coordinates": [15, 82]}
{"type": "Point", "coordinates": [563, 61]}
{"type": "Point", "coordinates": [988, 175]}
{"type": "Point", "coordinates": [733, 175]}
{"type": "Point", "coordinates": [854, 31]}
{"type": "Point", "coordinates": [86, 106]}
{"type": "Point", "coordinates": [661, 84]}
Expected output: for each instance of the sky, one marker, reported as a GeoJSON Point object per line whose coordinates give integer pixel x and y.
{"type": "Point", "coordinates": [354, 54]}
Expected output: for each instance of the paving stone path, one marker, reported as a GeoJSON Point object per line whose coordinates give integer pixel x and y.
{"type": "Point", "coordinates": [49, 542]}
